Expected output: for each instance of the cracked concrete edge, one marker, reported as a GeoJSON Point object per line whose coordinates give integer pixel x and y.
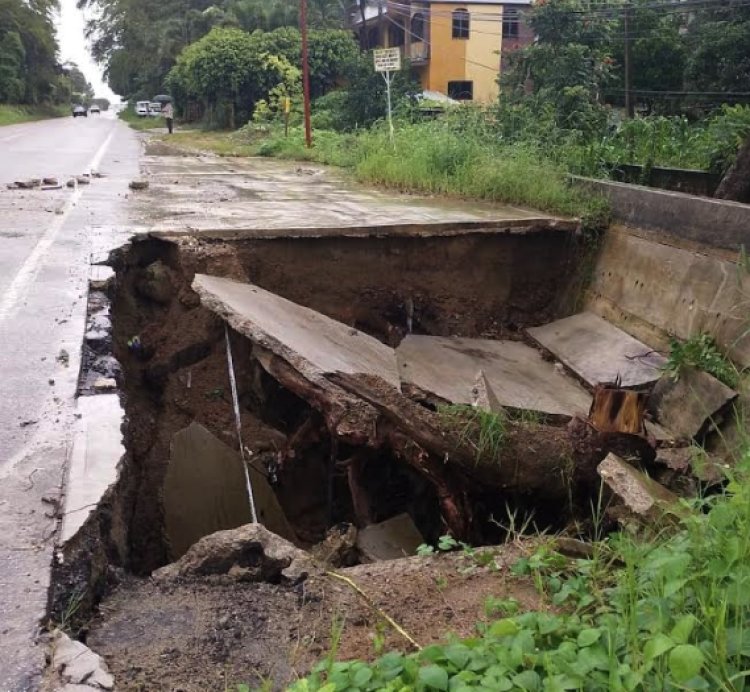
{"type": "Point", "coordinates": [520, 226]}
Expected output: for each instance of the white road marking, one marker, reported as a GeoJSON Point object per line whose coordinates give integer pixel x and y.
{"type": "Point", "coordinates": [30, 268]}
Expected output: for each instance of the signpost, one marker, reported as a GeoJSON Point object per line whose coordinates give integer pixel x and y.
{"type": "Point", "coordinates": [388, 61]}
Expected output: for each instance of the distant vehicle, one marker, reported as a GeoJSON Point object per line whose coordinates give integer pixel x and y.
{"type": "Point", "coordinates": [79, 110]}
{"type": "Point", "coordinates": [154, 108]}
{"type": "Point", "coordinates": [141, 108]}
{"type": "Point", "coordinates": [94, 109]}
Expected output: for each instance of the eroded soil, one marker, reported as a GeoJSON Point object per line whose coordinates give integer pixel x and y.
{"type": "Point", "coordinates": [201, 635]}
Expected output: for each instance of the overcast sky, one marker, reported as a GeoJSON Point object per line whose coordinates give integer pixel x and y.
{"type": "Point", "coordinates": [73, 47]}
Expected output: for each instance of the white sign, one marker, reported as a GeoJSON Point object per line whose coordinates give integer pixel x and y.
{"type": "Point", "coordinates": [387, 59]}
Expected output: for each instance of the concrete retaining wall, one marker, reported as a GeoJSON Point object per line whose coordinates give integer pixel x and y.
{"type": "Point", "coordinates": [699, 219]}
{"type": "Point", "coordinates": [652, 289]}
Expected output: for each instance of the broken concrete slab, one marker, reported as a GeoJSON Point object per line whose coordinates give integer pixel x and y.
{"type": "Point", "coordinates": [247, 553]}
{"type": "Point", "coordinates": [638, 497]}
{"type": "Point", "coordinates": [391, 539]}
{"type": "Point", "coordinates": [484, 396]}
{"type": "Point", "coordinates": [516, 373]}
{"type": "Point", "coordinates": [94, 460]}
{"type": "Point", "coordinates": [689, 405]}
{"type": "Point", "coordinates": [598, 352]}
{"type": "Point", "coordinates": [308, 340]}
{"type": "Point", "coordinates": [76, 664]}
{"type": "Point", "coordinates": [205, 491]}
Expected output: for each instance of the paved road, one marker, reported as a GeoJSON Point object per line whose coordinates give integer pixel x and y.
{"type": "Point", "coordinates": [47, 239]}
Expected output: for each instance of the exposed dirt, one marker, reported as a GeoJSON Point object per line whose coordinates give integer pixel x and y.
{"type": "Point", "coordinates": [211, 634]}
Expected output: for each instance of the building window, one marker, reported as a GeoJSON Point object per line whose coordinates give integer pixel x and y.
{"type": "Point", "coordinates": [417, 27]}
{"type": "Point", "coordinates": [510, 22]}
{"type": "Point", "coordinates": [461, 91]}
{"type": "Point", "coordinates": [461, 24]}
{"type": "Point", "coordinates": [395, 36]}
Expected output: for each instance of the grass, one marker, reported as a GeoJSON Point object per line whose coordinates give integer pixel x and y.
{"type": "Point", "coordinates": [141, 123]}
{"type": "Point", "coordinates": [427, 157]}
{"type": "Point", "coordinates": [483, 430]}
{"type": "Point", "coordinates": [667, 613]}
{"type": "Point", "coordinates": [12, 115]}
{"type": "Point", "coordinates": [700, 351]}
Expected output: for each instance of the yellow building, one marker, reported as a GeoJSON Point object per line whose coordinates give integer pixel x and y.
{"type": "Point", "coordinates": [456, 48]}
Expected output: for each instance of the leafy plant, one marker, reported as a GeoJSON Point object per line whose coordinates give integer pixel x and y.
{"type": "Point", "coordinates": [701, 351]}
{"type": "Point", "coordinates": [672, 613]}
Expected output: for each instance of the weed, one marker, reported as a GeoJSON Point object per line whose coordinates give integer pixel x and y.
{"type": "Point", "coordinates": [701, 351]}
{"type": "Point", "coordinates": [483, 430]}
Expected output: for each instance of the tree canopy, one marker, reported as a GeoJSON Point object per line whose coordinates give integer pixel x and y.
{"type": "Point", "coordinates": [29, 72]}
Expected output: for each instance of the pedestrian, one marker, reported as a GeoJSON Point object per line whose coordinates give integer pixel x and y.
{"type": "Point", "coordinates": [168, 112]}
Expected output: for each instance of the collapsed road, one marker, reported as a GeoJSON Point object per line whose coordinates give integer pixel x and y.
{"type": "Point", "coordinates": [360, 390]}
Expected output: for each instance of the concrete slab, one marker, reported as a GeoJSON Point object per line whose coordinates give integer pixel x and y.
{"type": "Point", "coordinates": [205, 491]}
{"type": "Point", "coordinates": [516, 373]}
{"type": "Point", "coordinates": [311, 342]}
{"type": "Point", "coordinates": [392, 539]}
{"type": "Point", "coordinates": [207, 194]}
{"type": "Point", "coordinates": [637, 497]}
{"type": "Point", "coordinates": [598, 352]}
{"type": "Point", "coordinates": [686, 406]}
{"type": "Point", "coordinates": [94, 460]}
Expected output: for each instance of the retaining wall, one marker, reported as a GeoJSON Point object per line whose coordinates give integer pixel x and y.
{"type": "Point", "coordinates": [716, 223]}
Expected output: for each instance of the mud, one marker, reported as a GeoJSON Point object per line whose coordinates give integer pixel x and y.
{"type": "Point", "coordinates": [200, 635]}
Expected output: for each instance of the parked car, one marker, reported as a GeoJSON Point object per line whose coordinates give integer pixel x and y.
{"type": "Point", "coordinates": [154, 108]}
{"type": "Point", "coordinates": [94, 109]}
{"type": "Point", "coordinates": [141, 108]}
{"type": "Point", "coordinates": [79, 110]}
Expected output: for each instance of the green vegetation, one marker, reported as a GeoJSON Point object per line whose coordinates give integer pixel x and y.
{"type": "Point", "coordinates": [701, 352]}
{"type": "Point", "coordinates": [476, 427]}
{"type": "Point", "coordinates": [11, 115]}
{"type": "Point", "coordinates": [669, 613]}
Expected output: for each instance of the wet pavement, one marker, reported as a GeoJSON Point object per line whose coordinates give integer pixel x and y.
{"type": "Point", "coordinates": [205, 194]}
{"type": "Point", "coordinates": [48, 239]}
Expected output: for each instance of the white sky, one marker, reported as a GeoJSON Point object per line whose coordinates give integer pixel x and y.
{"type": "Point", "coordinates": [74, 47]}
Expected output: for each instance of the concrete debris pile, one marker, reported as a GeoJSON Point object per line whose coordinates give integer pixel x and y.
{"type": "Point", "coordinates": [377, 401]}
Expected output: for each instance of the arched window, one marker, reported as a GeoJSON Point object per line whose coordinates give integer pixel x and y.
{"type": "Point", "coordinates": [417, 27]}
{"type": "Point", "coordinates": [461, 23]}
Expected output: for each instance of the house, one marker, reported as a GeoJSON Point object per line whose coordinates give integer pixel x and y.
{"type": "Point", "coordinates": [456, 48]}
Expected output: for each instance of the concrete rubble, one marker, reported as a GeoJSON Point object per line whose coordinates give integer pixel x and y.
{"type": "Point", "coordinates": [248, 553]}
{"type": "Point", "coordinates": [598, 352]}
{"type": "Point", "coordinates": [691, 403]}
{"type": "Point", "coordinates": [637, 497]}
{"type": "Point", "coordinates": [205, 491]}
{"type": "Point", "coordinates": [391, 539]}
{"type": "Point", "coordinates": [79, 669]}
{"type": "Point", "coordinates": [515, 373]}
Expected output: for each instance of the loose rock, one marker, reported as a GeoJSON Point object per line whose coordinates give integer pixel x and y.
{"type": "Point", "coordinates": [138, 185]}
{"type": "Point", "coordinates": [248, 553]}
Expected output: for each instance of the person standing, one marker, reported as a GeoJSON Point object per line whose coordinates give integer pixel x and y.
{"type": "Point", "coordinates": [168, 112]}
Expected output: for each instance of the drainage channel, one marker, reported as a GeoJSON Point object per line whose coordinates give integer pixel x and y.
{"type": "Point", "coordinates": [357, 361]}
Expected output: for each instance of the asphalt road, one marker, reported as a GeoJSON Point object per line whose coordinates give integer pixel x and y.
{"type": "Point", "coordinates": [47, 241]}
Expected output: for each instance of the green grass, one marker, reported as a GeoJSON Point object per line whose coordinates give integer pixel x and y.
{"type": "Point", "coordinates": [141, 123]}
{"type": "Point", "coordinates": [667, 613]}
{"type": "Point", "coordinates": [12, 115]}
{"type": "Point", "coordinates": [701, 352]}
{"type": "Point", "coordinates": [482, 430]}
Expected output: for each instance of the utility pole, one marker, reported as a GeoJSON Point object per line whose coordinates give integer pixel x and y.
{"type": "Point", "coordinates": [629, 105]}
{"type": "Point", "coordinates": [305, 71]}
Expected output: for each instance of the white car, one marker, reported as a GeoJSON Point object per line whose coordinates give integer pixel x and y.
{"type": "Point", "coordinates": [154, 108]}
{"type": "Point", "coordinates": [141, 108]}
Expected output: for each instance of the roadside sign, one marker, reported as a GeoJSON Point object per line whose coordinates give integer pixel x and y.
{"type": "Point", "coordinates": [387, 59]}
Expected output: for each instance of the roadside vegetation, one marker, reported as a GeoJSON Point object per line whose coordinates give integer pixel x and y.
{"type": "Point", "coordinates": [12, 115]}
{"type": "Point", "coordinates": [666, 610]}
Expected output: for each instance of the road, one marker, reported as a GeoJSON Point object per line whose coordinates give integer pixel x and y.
{"type": "Point", "coordinates": [47, 240]}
